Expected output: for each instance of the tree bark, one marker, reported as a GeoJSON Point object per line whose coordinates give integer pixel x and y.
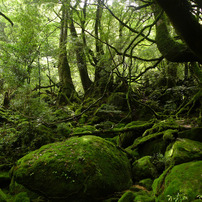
{"type": "Point", "coordinates": [67, 87]}
{"type": "Point", "coordinates": [103, 64]}
{"type": "Point", "coordinates": [81, 57]}
{"type": "Point", "coordinates": [185, 23]}
{"type": "Point", "coordinates": [170, 48]}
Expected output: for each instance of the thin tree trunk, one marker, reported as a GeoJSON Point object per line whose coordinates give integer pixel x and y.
{"type": "Point", "coordinates": [67, 87]}
{"type": "Point", "coordinates": [81, 58]}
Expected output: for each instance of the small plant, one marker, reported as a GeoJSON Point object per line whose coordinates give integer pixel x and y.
{"type": "Point", "coordinates": [158, 158]}
{"type": "Point", "coordinates": [178, 198]}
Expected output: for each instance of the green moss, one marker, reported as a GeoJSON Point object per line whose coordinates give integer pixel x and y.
{"type": "Point", "coordinates": [144, 198]}
{"type": "Point", "coordinates": [127, 197]}
{"type": "Point", "coordinates": [63, 129]}
{"type": "Point", "coordinates": [169, 135]}
{"type": "Point", "coordinates": [162, 126]}
{"type": "Point", "coordinates": [183, 180]}
{"type": "Point", "coordinates": [83, 119]}
{"type": "Point", "coordinates": [148, 138]}
{"type": "Point", "coordinates": [78, 167]}
{"type": "Point", "coordinates": [22, 197]}
{"type": "Point", "coordinates": [3, 196]}
{"type": "Point", "coordinates": [147, 183]}
{"type": "Point", "coordinates": [136, 123]}
{"type": "Point", "coordinates": [143, 168]}
{"type": "Point", "coordinates": [84, 129]}
{"type": "Point", "coordinates": [183, 150]}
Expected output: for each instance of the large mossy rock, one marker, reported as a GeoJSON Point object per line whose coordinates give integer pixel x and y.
{"type": "Point", "coordinates": [143, 168]}
{"type": "Point", "coordinates": [181, 182]}
{"type": "Point", "coordinates": [80, 169]}
{"type": "Point", "coordinates": [150, 144]}
{"type": "Point", "coordinates": [183, 150]}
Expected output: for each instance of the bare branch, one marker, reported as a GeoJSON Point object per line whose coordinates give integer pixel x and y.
{"type": "Point", "coordinates": [6, 18]}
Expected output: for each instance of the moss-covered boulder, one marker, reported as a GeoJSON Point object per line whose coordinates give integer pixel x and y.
{"type": "Point", "coordinates": [80, 169]}
{"type": "Point", "coordinates": [150, 144]}
{"type": "Point", "coordinates": [147, 183]}
{"type": "Point", "coordinates": [143, 168]}
{"type": "Point", "coordinates": [135, 129]}
{"type": "Point", "coordinates": [181, 182]}
{"type": "Point", "coordinates": [183, 150]}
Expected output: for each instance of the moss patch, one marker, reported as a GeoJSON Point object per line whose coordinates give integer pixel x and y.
{"type": "Point", "coordinates": [182, 151]}
{"type": "Point", "coordinates": [183, 180]}
{"type": "Point", "coordinates": [80, 167]}
{"type": "Point", "coordinates": [143, 168]}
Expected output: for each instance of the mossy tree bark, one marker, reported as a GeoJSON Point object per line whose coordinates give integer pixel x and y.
{"type": "Point", "coordinates": [67, 87]}
{"type": "Point", "coordinates": [185, 23]}
{"type": "Point", "coordinates": [80, 55]}
{"type": "Point", "coordinates": [170, 48]}
{"type": "Point", "coordinates": [103, 62]}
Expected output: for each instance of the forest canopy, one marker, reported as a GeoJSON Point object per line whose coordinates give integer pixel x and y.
{"type": "Point", "coordinates": [81, 45]}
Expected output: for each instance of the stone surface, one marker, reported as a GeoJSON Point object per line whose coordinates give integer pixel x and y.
{"type": "Point", "coordinates": [79, 169]}
{"type": "Point", "coordinates": [143, 168]}
{"type": "Point", "coordinates": [183, 150]}
{"type": "Point", "coordinates": [182, 181]}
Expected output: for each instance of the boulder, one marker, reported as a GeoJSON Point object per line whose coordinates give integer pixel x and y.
{"type": "Point", "coordinates": [143, 168]}
{"type": "Point", "coordinates": [83, 168]}
{"type": "Point", "coordinates": [150, 144]}
{"type": "Point", "coordinates": [183, 150]}
{"type": "Point", "coordinates": [180, 183]}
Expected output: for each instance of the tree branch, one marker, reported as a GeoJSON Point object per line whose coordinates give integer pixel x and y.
{"type": "Point", "coordinates": [6, 18]}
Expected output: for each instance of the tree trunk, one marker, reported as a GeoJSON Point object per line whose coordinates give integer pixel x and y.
{"type": "Point", "coordinates": [67, 87]}
{"type": "Point", "coordinates": [171, 49]}
{"type": "Point", "coordinates": [102, 68]}
{"type": "Point", "coordinates": [81, 58]}
{"type": "Point", "coordinates": [190, 30]}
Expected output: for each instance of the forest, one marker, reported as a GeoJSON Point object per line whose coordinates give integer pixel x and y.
{"type": "Point", "coordinates": [100, 100]}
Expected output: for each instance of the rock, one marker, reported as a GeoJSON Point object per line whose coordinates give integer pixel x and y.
{"type": "Point", "coordinates": [138, 128]}
{"type": "Point", "coordinates": [147, 183]}
{"type": "Point", "coordinates": [79, 169]}
{"type": "Point", "coordinates": [144, 197]}
{"type": "Point", "coordinates": [127, 197]}
{"type": "Point", "coordinates": [143, 168]}
{"type": "Point", "coordinates": [150, 144]}
{"type": "Point", "coordinates": [181, 181]}
{"type": "Point", "coordinates": [183, 150]}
